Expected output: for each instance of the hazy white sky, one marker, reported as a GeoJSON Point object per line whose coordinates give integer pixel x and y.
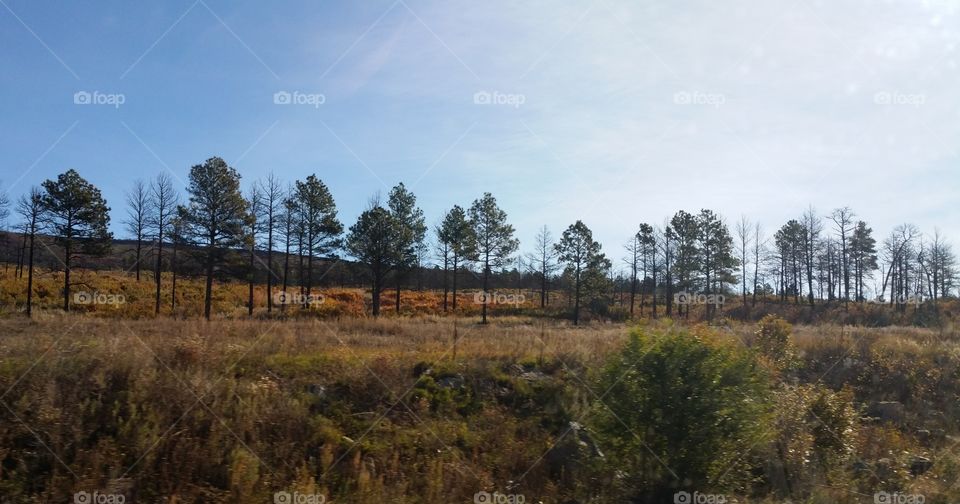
{"type": "Point", "coordinates": [615, 113]}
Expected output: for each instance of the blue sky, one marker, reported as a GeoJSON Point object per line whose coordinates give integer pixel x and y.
{"type": "Point", "coordinates": [612, 112]}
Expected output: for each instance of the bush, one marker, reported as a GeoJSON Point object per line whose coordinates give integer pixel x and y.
{"type": "Point", "coordinates": [681, 410]}
{"type": "Point", "coordinates": [772, 340]}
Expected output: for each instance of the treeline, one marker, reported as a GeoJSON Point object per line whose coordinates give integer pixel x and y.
{"type": "Point", "coordinates": [289, 237]}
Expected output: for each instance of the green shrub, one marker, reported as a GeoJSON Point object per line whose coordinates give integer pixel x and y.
{"type": "Point", "coordinates": [681, 410]}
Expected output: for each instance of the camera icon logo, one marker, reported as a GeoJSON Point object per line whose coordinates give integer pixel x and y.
{"type": "Point", "coordinates": [82, 298]}
{"type": "Point", "coordinates": [82, 98]}
{"type": "Point", "coordinates": [482, 98]}
{"type": "Point", "coordinates": [482, 497]}
{"type": "Point", "coordinates": [81, 498]}
{"type": "Point", "coordinates": [282, 498]}
{"type": "Point", "coordinates": [282, 98]}
{"type": "Point", "coordinates": [682, 497]}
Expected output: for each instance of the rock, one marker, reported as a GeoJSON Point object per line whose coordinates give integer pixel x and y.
{"type": "Point", "coordinates": [920, 465]}
{"type": "Point", "coordinates": [533, 376]}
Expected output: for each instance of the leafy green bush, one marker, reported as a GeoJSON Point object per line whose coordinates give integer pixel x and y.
{"type": "Point", "coordinates": [681, 410]}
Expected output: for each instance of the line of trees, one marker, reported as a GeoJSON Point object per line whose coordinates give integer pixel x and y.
{"type": "Point", "coordinates": [291, 236]}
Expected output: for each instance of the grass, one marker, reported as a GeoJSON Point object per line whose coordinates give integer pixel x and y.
{"type": "Point", "coordinates": [363, 410]}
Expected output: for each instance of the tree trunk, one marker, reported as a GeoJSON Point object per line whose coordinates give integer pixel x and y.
{"type": "Point", "coordinates": [486, 274]}
{"type": "Point", "coordinates": [253, 275]}
{"type": "Point", "coordinates": [137, 264]}
{"type": "Point", "coordinates": [455, 264]}
{"type": "Point", "coordinates": [156, 277]}
{"type": "Point", "coordinates": [173, 275]}
{"type": "Point", "coordinates": [397, 276]}
{"type": "Point", "coordinates": [208, 296]}
{"type": "Point", "coordinates": [446, 285]}
{"type": "Point", "coordinates": [576, 299]}
{"type": "Point", "coordinates": [30, 276]}
{"type": "Point", "coordinates": [66, 276]}
{"type": "Point", "coordinates": [376, 296]}
{"type": "Point", "coordinates": [270, 261]}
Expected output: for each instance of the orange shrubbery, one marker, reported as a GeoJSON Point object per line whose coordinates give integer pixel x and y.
{"type": "Point", "coordinates": [136, 299]}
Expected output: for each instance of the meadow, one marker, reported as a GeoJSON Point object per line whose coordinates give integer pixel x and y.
{"type": "Point", "coordinates": [391, 410]}
{"type": "Point", "coordinates": [111, 402]}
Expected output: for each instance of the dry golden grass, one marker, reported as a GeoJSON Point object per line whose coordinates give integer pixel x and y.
{"type": "Point", "coordinates": [237, 408]}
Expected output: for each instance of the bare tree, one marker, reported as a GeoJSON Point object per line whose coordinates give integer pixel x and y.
{"type": "Point", "coordinates": [254, 225]}
{"type": "Point", "coordinates": [843, 220]}
{"type": "Point", "coordinates": [634, 256]}
{"type": "Point", "coordinates": [812, 227]}
{"type": "Point", "coordinates": [31, 209]}
{"type": "Point", "coordinates": [138, 208]}
{"type": "Point", "coordinates": [759, 244]}
{"type": "Point", "coordinates": [743, 230]}
{"type": "Point", "coordinates": [163, 203]}
{"type": "Point", "coordinates": [544, 261]}
{"type": "Point", "coordinates": [273, 194]}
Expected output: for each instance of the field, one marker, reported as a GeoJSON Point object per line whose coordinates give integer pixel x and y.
{"type": "Point", "coordinates": [432, 409]}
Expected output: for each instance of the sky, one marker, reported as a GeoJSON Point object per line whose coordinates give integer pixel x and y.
{"type": "Point", "coordinates": [611, 112]}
